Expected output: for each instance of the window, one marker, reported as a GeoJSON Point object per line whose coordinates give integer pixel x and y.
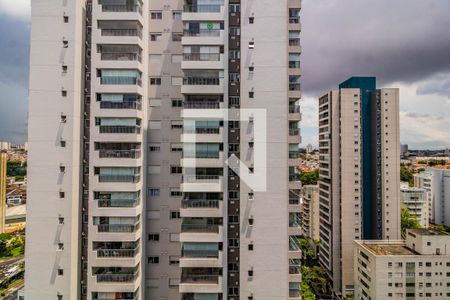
{"type": "Point", "coordinates": [64, 93]}
{"type": "Point", "coordinates": [62, 195]}
{"type": "Point", "coordinates": [154, 147]}
{"type": "Point", "coordinates": [176, 124]}
{"type": "Point", "coordinates": [251, 221]}
{"type": "Point", "coordinates": [250, 247]}
{"type": "Point", "coordinates": [155, 80]}
{"type": "Point", "coordinates": [64, 68]}
{"type": "Point", "coordinates": [251, 20]}
{"type": "Point", "coordinates": [175, 192]}
{"type": "Point", "coordinates": [61, 220]}
{"type": "Point", "coordinates": [66, 19]}
{"type": "Point", "coordinates": [62, 144]}
{"type": "Point", "coordinates": [251, 94]}
{"type": "Point", "coordinates": [176, 36]}
{"type": "Point", "coordinates": [153, 237]}
{"type": "Point", "coordinates": [60, 272]}
{"type": "Point", "coordinates": [176, 15]}
{"type": "Point", "coordinates": [176, 147]}
{"type": "Point", "coordinates": [155, 37]}
{"type": "Point", "coordinates": [153, 192]}
{"type": "Point", "coordinates": [174, 260]}
{"type": "Point", "coordinates": [177, 103]}
{"type": "Point", "coordinates": [233, 243]}
{"type": "Point", "coordinates": [175, 215]}
{"type": "Point", "coordinates": [153, 259]}
{"type": "Point", "coordinates": [176, 170]}
{"type": "Point", "coordinates": [250, 273]}
{"type": "Point", "coordinates": [156, 15]}
{"type": "Point", "coordinates": [251, 45]}
{"type": "Point", "coordinates": [233, 219]}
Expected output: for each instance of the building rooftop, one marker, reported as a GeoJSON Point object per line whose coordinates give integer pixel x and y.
{"type": "Point", "coordinates": [425, 231]}
{"type": "Point", "coordinates": [388, 248]}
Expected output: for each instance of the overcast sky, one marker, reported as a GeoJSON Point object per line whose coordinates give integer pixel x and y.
{"type": "Point", "coordinates": [405, 43]}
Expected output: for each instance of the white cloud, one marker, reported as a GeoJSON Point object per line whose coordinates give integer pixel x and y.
{"type": "Point", "coordinates": [16, 8]}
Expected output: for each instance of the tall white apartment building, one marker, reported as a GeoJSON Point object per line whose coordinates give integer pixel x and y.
{"type": "Point", "coordinates": [415, 200]}
{"type": "Point", "coordinates": [418, 268]}
{"type": "Point", "coordinates": [135, 107]}
{"type": "Point", "coordinates": [437, 184]}
{"type": "Point", "coordinates": [358, 178]}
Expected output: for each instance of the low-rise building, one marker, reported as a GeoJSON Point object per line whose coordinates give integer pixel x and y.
{"type": "Point", "coordinates": [415, 200]}
{"type": "Point", "coordinates": [310, 212]}
{"type": "Point", "coordinates": [418, 268]}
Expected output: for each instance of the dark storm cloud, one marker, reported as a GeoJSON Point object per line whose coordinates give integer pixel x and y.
{"type": "Point", "coordinates": [14, 48]}
{"type": "Point", "coordinates": [397, 41]}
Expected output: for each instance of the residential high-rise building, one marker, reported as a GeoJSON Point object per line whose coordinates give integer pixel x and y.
{"type": "Point", "coordinates": [415, 200]}
{"type": "Point", "coordinates": [135, 108]}
{"type": "Point", "coordinates": [359, 166]}
{"type": "Point", "coordinates": [403, 149]}
{"type": "Point", "coordinates": [396, 269]}
{"type": "Point", "coordinates": [310, 212]}
{"type": "Point", "coordinates": [437, 184]}
{"type": "Point", "coordinates": [3, 169]}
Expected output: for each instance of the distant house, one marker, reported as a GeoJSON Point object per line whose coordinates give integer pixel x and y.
{"type": "Point", "coordinates": [14, 197]}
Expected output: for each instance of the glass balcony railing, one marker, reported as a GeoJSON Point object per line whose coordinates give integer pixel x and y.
{"type": "Point", "coordinates": [200, 279]}
{"type": "Point", "coordinates": [294, 154]}
{"type": "Point", "coordinates": [294, 177]}
{"type": "Point", "coordinates": [199, 203]}
{"type": "Point", "coordinates": [294, 109]}
{"type": "Point", "coordinates": [122, 8]}
{"type": "Point", "coordinates": [199, 253]}
{"type": "Point", "coordinates": [118, 202]}
{"type": "Point", "coordinates": [119, 178]}
{"type": "Point", "coordinates": [120, 80]}
{"type": "Point", "coordinates": [201, 178]}
{"type": "Point", "coordinates": [294, 65]}
{"type": "Point", "coordinates": [200, 228]}
{"type": "Point", "coordinates": [132, 153]}
{"type": "Point", "coordinates": [122, 32]}
{"type": "Point", "coordinates": [202, 33]}
{"type": "Point", "coordinates": [203, 8]}
{"type": "Point", "coordinates": [294, 131]}
{"type": "Point", "coordinates": [118, 228]}
{"type": "Point", "coordinates": [201, 56]}
{"type": "Point", "coordinates": [202, 130]}
{"type": "Point", "coordinates": [294, 86]}
{"type": "Point", "coordinates": [201, 105]}
{"type": "Point", "coordinates": [294, 41]}
{"type": "Point", "coordinates": [294, 20]}
{"type": "Point", "coordinates": [117, 277]}
{"type": "Point", "coordinates": [115, 56]}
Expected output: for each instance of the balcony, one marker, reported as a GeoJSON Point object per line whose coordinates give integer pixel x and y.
{"type": "Point", "coordinates": [121, 105]}
{"type": "Point", "coordinates": [201, 208]}
{"type": "Point", "coordinates": [201, 105]}
{"type": "Point", "coordinates": [196, 296]}
{"type": "Point", "coordinates": [202, 8]}
{"type": "Point", "coordinates": [200, 203]}
{"type": "Point", "coordinates": [201, 56]}
{"type": "Point", "coordinates": [202, 36]}
{"type": "Point", "coordinates": [201, 81]}
{"type": "Point", "coordinates": [206, 280]}
{"type": "Point", "coordinates": [115, 295]}
{"type": "Point", "coordinates": [116, 249]}
{"type": "Point", "coordinates": [117, 199]}
{"type": "Point", "coordinates": [211, 61]}
{"type": "Point", "coordinates": [120, 129]}
{"type": "Point", "coordinates": [202, 183]}
{"type": "Point", "coordinates": [118, 174]}
{"type": "Point", "coordinates": [294, 131]}
{"type": "Point", "coordinates": [120, 178]}
{"type": "Point", "coordinates": [118, 228]}
{"type": "Point", "coordinates": [294, 177]}
{"type": "Point", "coordinates": [120, 80]}
{"type": "Point", "coordinates": [131, 6]}
{"type": "Point", "coordinates": [108, 153]}
{"type": "Point", "coordinates": [201, 230]}
{"type": "Point", "coordinates": [204, 255]}
{"type": "Point", "coordinates": [115, 274]}
{"type": "Point", "coordinates": [120, 28]}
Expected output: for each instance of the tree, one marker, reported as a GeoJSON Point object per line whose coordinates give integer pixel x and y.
{"type": "Point", "coordinates": [408, 221]}
{"type": "Point", "coordinates": [308, 178]}
{"type": "Point", "coordinates": [406, 175]}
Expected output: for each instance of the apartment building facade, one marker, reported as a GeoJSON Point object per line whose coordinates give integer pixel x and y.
{"type": "Point", "coordinates": [415, 200]}
{"type": "Point", "coordinates": [310, 212]}
{"type": "Point", "coordinates": [358, 177]}
{"type": "Point", "coordinates": [418, 268]}
{"type": "Point", "coordinates": [437, 184]}
{"type": "Point", "coordinates": [135, 107]}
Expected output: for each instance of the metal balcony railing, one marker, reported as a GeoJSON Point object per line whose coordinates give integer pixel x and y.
{"type": "Point", "coordinates": [121, 56]}
{"type": "Point", "coordinates": [121, 105]}
{"type": "Point", "coordinates": [294, 65]}
{"type": "Point", "coordinates": [200, 279]}
{"type": "Point", "coordinates": [201, 178]}
{"type": "Point", "coordinates": [199, 203]}
{"type": "Point", "coordinates": [132, 153]}
{"type": "Point", "coordinates": [118, 203]}
{"type": "Point", "coordinates": [294, 41]}
{"type": "Point", "coordinates": [120, 178]}
{"type": "Point", "coordinates": [117, 252]}
{"type": "Point", "coordinates": [202, 130]}
{"type": "Point", "coordinates": [200, 228]}
{"type": "Point", "coordinates": [294, 109]}
{"type": "Point", "coordinates": [122, 32]}
{"type": "Point", "coordinates": [117, 277]}
{"type": "Point", "coordinates": [118, 228]}
{"type": "Point", "coordinates": [120, 80]}
{"type": "Point", "coordinates": [294, 86]}
{"type": "Point", "coordinates": [202, 8]}
{"type": "Point", "coordinates": [294, 154]}
{"type": "Point", "coordinates": [201, 56]}
{"type": "Point", "coordinates": [201, 105]}
{"type": "Point", "coordinates": [202, 33]}
{"type": "Point", "coordinates": [294, 177]}
{"type": "Point", "coordinates": [122, 8]}
{"type": "Point", "coordinates": [294, 293]}
{"type": "Point", "coordinates": [294, 269]}
{"type": "Point", "coordinates": [199, 253]}
{"type": "Point", "coordinates": [120, 129]}
{"type": "Point", "coordinates": [201, 81]}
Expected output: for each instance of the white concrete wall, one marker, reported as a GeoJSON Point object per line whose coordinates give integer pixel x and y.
{"type": "Point", "coordinates": [46, 105]}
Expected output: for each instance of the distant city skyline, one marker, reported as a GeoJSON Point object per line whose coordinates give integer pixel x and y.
{"type": "Point", "coordinates": [339, 42]}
